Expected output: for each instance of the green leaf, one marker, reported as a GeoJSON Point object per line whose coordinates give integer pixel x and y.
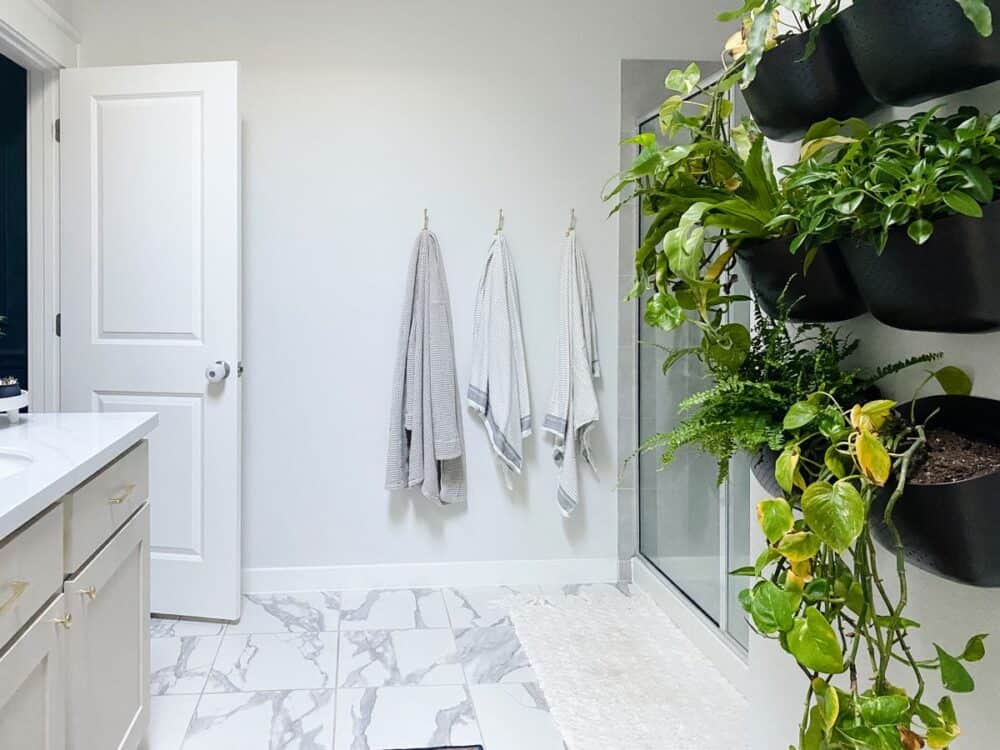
{"type": "Point", "coordinates": [764, 559]}
{"type": "Point", "coordinates": [775, 518]}
{"type": "Point", "coordinates": [920, 231]}
{"type": "Point", "coordinates": [747, 571]}
{"type": "Point", "coordinates": [963, 203]}
{"type": "Point", "coordinates": [979, 13]}
{"type": "Point", "coordinates": [836, 513]}
{"type": "Point", "coordinates": [800, 415]}
{"type": "Point", "coordinates": [839, 464]}
{"type": "Point", "coordinates": [663, 311]}
{"type": "Point", "coordinates": [974, 650]}
{"type": "Point", "coordinates": [730, 348]}
{"type": "Point", "coordinates": [828, 701]}
{"type": "Point", "coordinates": [814, 644]}
{"type": "Point", "coordinates": [884, 710]}
{"type": "Point", "coordinates": [745, 598]}
{"type": "Point", "coordinates": [786, 467]}
{"type": "Point", "coordinates": [817, 590]}
{"type": "Point", "coordinates": [799, 546]}
{"type": "Point", "coordinates": [684, 81]}
{"type": "Point", "coordinates": [954, 381]}
{"type": "Point", "coordinates": [954, 676]}
{"type": "Point", "coordinates": [771, 609]}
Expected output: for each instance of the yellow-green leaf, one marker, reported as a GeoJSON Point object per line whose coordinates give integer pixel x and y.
{"type": "Point", "coordinates": [775, 518]}
{"type": "Point", "coordinates": [799, 546]}
{"type": "Point", "coordinates": [873, 458]}
{"type": "Point", "coordinates": [786, 468]}
{"type": "Point", "coordinates": [835, 512]}
{"type": "Point", "coordinates": [878, 411]}
{"type": "Point", "coordinates": [814, 644]}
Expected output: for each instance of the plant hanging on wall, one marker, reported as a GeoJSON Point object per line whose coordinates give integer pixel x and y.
{"type": "Point", "coordinates": [820, 593]}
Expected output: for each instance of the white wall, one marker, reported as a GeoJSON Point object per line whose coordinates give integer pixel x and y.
{"type": "Point", "coordinates": [949, 612]}
{"type": "Point", "coordinates": [358, 115]}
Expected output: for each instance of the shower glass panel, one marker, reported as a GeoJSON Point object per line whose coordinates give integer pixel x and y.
{"type": "Point", "coordinates": [690, 529]}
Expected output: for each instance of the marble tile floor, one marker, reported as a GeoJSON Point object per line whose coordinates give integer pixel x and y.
{"type": "Point", "coordinates": [352, 671]}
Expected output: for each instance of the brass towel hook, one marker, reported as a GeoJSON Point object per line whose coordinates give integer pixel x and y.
{"type": "Point", "coordinates": [572, 222]}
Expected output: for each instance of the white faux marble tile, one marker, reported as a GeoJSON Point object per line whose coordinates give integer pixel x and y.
{"type": "Point", "coordinates": [586, 589]}
{"type": "Point", "coordinates": [174, 627]}
{"type": "Point", "coordinates": [180, 665]}
{"type": "Point", "coordinates": [377, 658]}
{"type": "Point", "coordinates": [169, 716]}
{"type": "Point", "coordinates": [310, 612]}
{"type": "Point", "coordinates": [274, 661]}
{"type": "Point", "coordinates": [484, 607]}
{"type": "Point", "coordinates": [493, 655]}
{"type": "Point", "coordinates": [515, 717]}
{"type": "Point", "coordinates": [392, 610]}
{"type": "Point", "coordinates": [289, 720]}
{"type": "Point", "coordinates": [405, 717]}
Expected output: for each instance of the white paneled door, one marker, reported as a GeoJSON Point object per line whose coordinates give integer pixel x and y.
{"type": "Point", "coordinates": [150, 301]}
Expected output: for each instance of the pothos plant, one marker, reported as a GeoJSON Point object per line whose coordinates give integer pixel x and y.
{"type": "Point", "coordinates": [820, 592]}
{"type": "Point", "coordinates": [766, 23]}
{"type": "Point", "coordinates": [710, 188]}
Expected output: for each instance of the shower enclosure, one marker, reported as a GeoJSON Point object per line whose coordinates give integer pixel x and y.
{"type": "Point", "coordinates": [692, 530]}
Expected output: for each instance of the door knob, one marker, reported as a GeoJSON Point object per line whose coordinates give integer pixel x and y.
{"type": "Point", "coordinates": [217, 372]}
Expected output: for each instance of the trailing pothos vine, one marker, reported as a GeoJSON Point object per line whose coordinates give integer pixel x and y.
{"type": "Point", "coordinates": [821, 592]}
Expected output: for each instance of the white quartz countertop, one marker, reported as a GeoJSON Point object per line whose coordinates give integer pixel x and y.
{"type": "Point", "coordinates": [65, 449]}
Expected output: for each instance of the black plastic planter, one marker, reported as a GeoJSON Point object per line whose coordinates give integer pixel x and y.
{"type": "Point", "coordinates": [825, 294]}
{"type": "Point", "coordinates": [948, 285]}
{"type": "Point", "coordinates": [909, 51]}
{"type": "Point", "coordinates": [951, 529]}
{"type": "Point", "coordinates": [790, 94]}
{"type": "Point", "coordinates": [762, 465]}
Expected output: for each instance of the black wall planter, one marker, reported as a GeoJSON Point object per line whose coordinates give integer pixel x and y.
{"type": "Point", "coordinates": [952, 529]}
{"type": "Point", "coordinates": [909, 51]}
{"type": "Point", "coordinates": [828, 292]}
{"type": "Point", "coordinates": [762, 465]}
{"type": "Point", "coordinates": [948, 285]}
{"type": "Point", "coordinates": [790, 94]}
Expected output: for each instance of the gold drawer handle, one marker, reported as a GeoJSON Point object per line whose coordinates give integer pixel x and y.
{"type": "Point", "coordinates": [66, 622]}
{"type": "Point", "coordinates": [119, 499]}
{"type": "Point", "coordinates": [90, 593]}
{"type": "Point", "coordinates": [17, 588]}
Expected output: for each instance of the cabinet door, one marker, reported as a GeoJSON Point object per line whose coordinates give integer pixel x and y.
{"type": "Point", "coordinates": [32, 698]}
{"type": "Point", "coordinates": [108, 654]}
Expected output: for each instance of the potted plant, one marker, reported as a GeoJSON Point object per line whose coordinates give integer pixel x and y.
{"type": "Point", "coordinates": [912, 203]}
{"type": "Point", "coordinates": [744, 408]}
{"type": "Point", "coordinates": [951, 495]}
{"type": "Point", "coordinates": [796, 69]}
{"type": "Point", "coordinates": [819, 591]}
{"type": "Point", "coordinates": [909, 51]}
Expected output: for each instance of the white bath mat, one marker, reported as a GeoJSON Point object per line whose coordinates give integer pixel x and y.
{"type": "Point", "coordinates": [619, 675]}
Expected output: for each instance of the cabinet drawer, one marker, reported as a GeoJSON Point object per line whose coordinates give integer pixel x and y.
{"type": "Point", "coordinates": [97, 508]}
{"type": "Point", "coordinates": [32, 685]}
{"type": "Point", "coordinates": [31, 570]}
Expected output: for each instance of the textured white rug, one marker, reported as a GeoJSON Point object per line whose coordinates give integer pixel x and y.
{"type": "Point", "coordinates": [619, 675]}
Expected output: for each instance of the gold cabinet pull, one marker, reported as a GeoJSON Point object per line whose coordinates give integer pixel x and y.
{"type": "Point", "coordinates": [66, 622]}
{"type": "Point", "coordinates": [90, 593]}
{"type": "Point", "coordinates": [16, 588]}
{"type": "Point", "coordinates": [123, 496]}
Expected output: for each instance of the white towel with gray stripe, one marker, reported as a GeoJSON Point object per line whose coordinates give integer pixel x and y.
{"type": "Point", "coordinates": [425, 428]}
{"type": "Point", "coordinates": [498, 388]}
{"type": "Point", "coordinates": [573, 409]}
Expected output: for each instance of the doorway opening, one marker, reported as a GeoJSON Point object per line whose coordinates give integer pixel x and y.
{"type": "Point", "coordinates": [14, 222]}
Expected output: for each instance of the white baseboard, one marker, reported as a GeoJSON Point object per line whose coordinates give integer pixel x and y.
{"type": "Point", "coordinates": [430, 575]}
{"type": "Point", "coordinates": [704, 634]}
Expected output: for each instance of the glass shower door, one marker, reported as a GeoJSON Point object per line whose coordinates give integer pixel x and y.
{"type": "Point", "coordinates": [692, 530]}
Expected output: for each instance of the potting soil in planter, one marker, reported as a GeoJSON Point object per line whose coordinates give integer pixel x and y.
{"type": "Point", "coordinates": [952, 457]}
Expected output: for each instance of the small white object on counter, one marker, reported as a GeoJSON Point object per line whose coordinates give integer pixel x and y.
{"type": "Point", "coordinates": [12, 405]}
{"type": "Point", "coordinates": [44, 456]}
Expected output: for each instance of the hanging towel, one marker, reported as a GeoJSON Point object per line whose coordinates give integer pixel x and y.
{"type": "Point", "coordinates": [573, 410]}
{"type": "Point", "coordinates": [425, 428]}
{"type": "Point", "coordinates": [498, 389]}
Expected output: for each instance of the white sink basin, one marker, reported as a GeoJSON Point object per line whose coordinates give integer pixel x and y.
{"type": "Point", "coordinates": [13, 463]}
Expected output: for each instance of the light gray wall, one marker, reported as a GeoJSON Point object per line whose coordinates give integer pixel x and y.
{"type": "Point", "coordinates": [949, 612]}
{"type": "Point", "coordinates": [359, 115]}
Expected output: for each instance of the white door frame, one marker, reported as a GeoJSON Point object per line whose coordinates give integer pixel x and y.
{"type": "Point", "coordinates": [37, 38]}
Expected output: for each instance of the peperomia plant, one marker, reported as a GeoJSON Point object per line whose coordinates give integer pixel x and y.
{"type": "Point", "coordinates": [820, 593]}
{"type": "Point", "coordinates": [859, 181]}
{"type": "Point", "coordinates": [766, 23]}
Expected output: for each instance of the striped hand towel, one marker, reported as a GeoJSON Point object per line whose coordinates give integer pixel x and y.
{"type": "Point", "coordinates": [573, 409]}
{"type": "Point", "coordinates": [425, 427]}
{"type": "Point", "coordinates": [498, 388]}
